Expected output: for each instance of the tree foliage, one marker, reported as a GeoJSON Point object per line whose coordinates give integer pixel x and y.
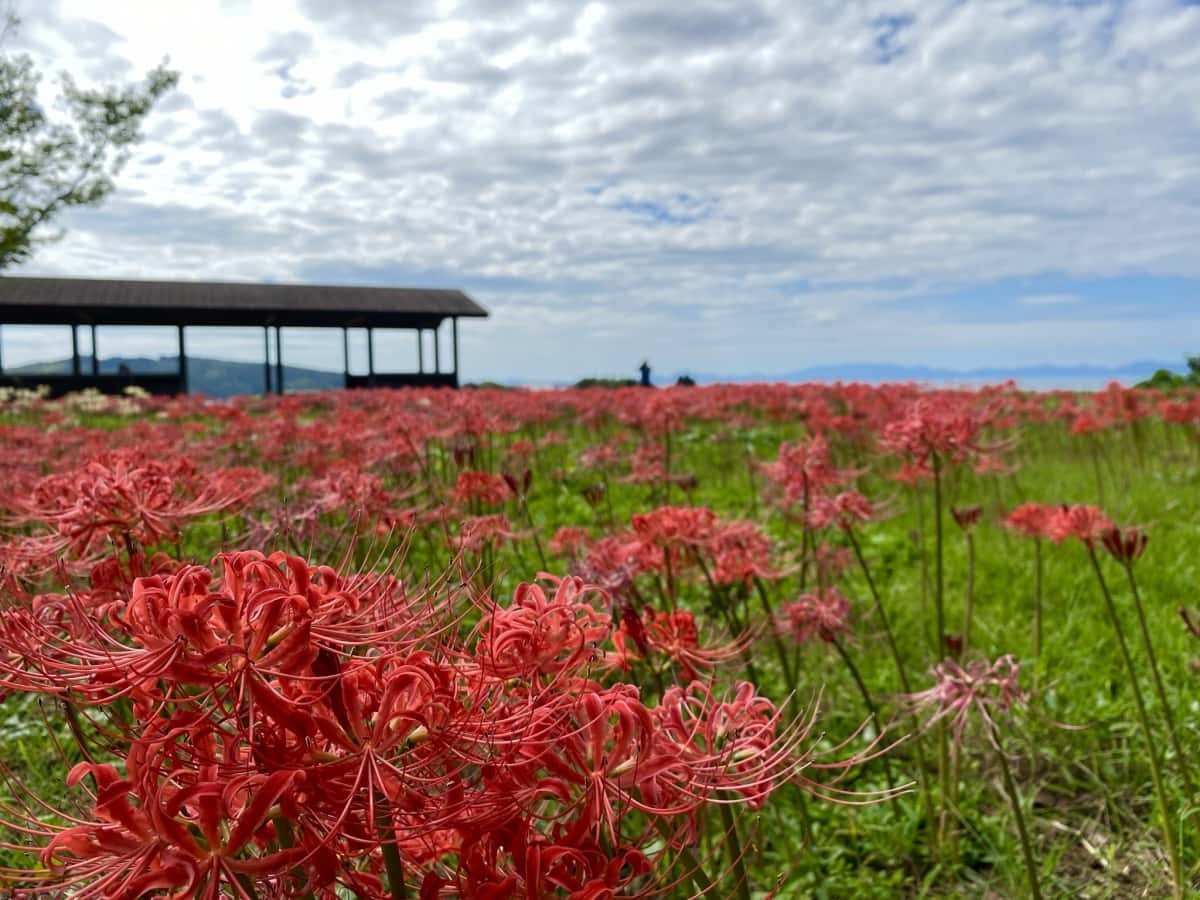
{"type": "Point", "coordinates": [1165, 379]}
{"type": "Point", "coordinates": [48, 165]}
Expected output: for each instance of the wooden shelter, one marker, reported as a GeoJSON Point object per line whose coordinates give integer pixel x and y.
{"type": "Point", "coordinates": [89, 302]}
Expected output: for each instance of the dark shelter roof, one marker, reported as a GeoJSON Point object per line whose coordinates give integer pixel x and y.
{"type": "Point", "coordinates": [130, 302]}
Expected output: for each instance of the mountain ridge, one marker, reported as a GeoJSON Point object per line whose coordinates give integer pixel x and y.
{"type": "Point", "coordinates": [226, 378]}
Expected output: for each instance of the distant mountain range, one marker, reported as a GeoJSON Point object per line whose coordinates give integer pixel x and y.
{"type": "Point", "coordinates": [214, 377]}
{"type": "Point", "coordinates": [222, 378]}
{"type": "Point", "coordinates": [1036, 377]}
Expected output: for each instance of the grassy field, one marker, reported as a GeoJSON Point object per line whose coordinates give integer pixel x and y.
{"type": "Point", "coordinates": [376, 483]}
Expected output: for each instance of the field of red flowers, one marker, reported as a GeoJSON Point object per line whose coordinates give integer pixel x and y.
{"type": "Point", "coordinates": [737, 641]}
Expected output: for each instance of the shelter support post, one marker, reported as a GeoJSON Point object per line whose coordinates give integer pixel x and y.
{"type": "Point", "coordinates": [345, 356]}
{"type": "Point", "coordinates": [370, 356]}
{"type": "Point", "coordinates": [266, 359]}
{"type": "Point", "coordinates": [421, 350]}
{"type": "Point", "coordinates": [1, 350]}
{"type": "Point", "coordinates": [183, 362]}
{"type": "Point", "coordinates": [75, 350]}
{"type": "Point", "coordinates": [437, 349]}
{"type": "Point", "coordinates": [278, 360]}
{"type": "Point", "coordinates": [95, 352]}
{"type": "Point", "coordinates": [454, 337]}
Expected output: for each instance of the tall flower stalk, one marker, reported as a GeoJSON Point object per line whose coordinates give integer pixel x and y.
{"type": "Point", "coordinates": [1034, 521]}
{"type": "Point", "coordinates": [1088, 524]}
{"type": "Point", "coordinates": [967, 519]}
{"type": "Point", "coordinates": [1010, 790]}
{"type": "Point", "coordinates": [1126, 546]}
{"type": "Point", "coordinates": [979, 689]}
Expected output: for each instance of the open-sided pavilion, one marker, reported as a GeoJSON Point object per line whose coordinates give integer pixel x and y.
{"type": "Point", "coordinates": [89, 302]}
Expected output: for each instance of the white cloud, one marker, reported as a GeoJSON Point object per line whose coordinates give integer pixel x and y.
{"type": "Point", "coordinates": [664, 176]}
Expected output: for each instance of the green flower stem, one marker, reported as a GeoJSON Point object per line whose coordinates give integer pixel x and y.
{"type": "Point", "coordinates": [1159, 689]}
{"type": "Point", "coordinates": [1011, 790]}
{"type": "Point", "coordinates": [890, 636]}
{"type": "Point", "coordinates": [1144, 720]}
{"type": "Point", "coordinates": [970, 605]}
{"type": "Point", "coordinates": [392, 864]}
{"type": "Point", "coordinates": [939, 598]}
{"type": "Point", "coordinates": [789, 673]}
{"type": "Point", "coordinates": [873, 711]}
{"type": "Point", "coordinates": [939, 585]}
{"type": "Point", "coordinates": [1037, 598]}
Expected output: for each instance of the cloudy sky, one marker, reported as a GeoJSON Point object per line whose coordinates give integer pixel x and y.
{"type": "Point", "coordinates": [728, 187]}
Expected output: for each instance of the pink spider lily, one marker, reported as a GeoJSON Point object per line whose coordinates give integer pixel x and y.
{"type": "Point", "coordinates": [803, 469]}
{"type": "Point", "coordinates": [824, 614]}
{"type": "Point", "coordinates": [1085, 523]}
{"type": "Point", "coordinates": [1031, 519]}
{"type": "Point", "coordinates": [978, 687]}
{"type": "Point", "coordinates": [845, 510]}
{"type": "Point", "coordinates": [941, 426]}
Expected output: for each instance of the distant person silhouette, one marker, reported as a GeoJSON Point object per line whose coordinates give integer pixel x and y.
{"type": "Point", "coordinates": [644, 368]}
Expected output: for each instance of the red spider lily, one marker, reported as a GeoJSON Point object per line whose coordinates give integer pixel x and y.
{"type": "Point", "coordinates": [153, 831]}
{"type": "Point", "coordinates": [1032, 519]}
{"type": "Point", "coordinates": [979, 687]}
{"type": "Point", "coordinates": [671, 533]}
{"type": "Point", "coordinates": [740, 552]}
{"type": "Point", "coordinates": [613, 563]}
{"type": "Point", "coordinates": [1125, 545]}
{"type": "Point", "coordinates": [675, 636]}
{"type": "Point", "coordinates": [522, 449]}
{"type": "Point", "coordinates": [992, 464]}
{"type": "Point", "coordinates": [266, 617]}
{"type": "Point", "coordinates": [832, 561]}
{"type": "Point", "coordinates": [734, 746]}
{"type": "Point", "coordinates": [605, 454]}
{"type": "Point", "coordinates": [27, 557]}
{"type": "Point", "coordinates": [350, 490]}
{"type": "Point", "coordinates": [1087, 523]}
{"type": "Point", "coordinates": [824, 614]}
{"type": "Point", "coordinates": [493, 746]}
{"type": "Point", "coordinates": [540, 634]}
{"type": "Point", "coordinates": [648, 465]}
{"type": "Point", "coordinates": [479, 531]}
{"type": "Point", "coordinates": [569, 541]}
{"type": "Point", "coordinates": [517, 860]}
{"type": "Point", "coordinates": [1087, 423]}
{"type": "Point", "coordinates": [126, 496]}
{"type": "Point", "coordinates": [481, 487]}
{"type": "Point", "coordinates": [598, 763]}
{"type": "Point", "coordinates": [803, 470]}
{"type": "Point", "coordinates": [675, 525]}
{"type": "Point", "coordinates": [845, 510]}
{"type": "Point", "coordinates": [941, 426]}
